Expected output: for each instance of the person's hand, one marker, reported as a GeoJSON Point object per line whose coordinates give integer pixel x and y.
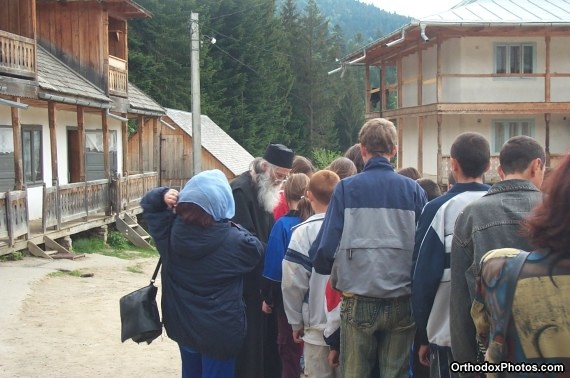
{"type": "Point", "coordinates": [171, 198]}
{"type": "Point", "coordinates": [298, 336]}
{"type": "Point", "coordinates": [267, 309]}
{"type": "Point", "coordinates": [333, 358]}
{"type": "Point", "coordinates": [423, 355]}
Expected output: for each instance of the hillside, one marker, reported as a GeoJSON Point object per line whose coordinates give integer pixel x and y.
{"type": "Point", "coordinates": [355, 17]}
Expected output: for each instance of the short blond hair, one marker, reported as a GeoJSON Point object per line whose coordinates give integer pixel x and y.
{"type": "Point", "coordinates": [378, 136]}
{"type": "Point", "coordinates": [322, 185]}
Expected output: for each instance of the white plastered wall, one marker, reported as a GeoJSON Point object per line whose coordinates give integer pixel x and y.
{"type": "Point", "coordinates": [64, 119]}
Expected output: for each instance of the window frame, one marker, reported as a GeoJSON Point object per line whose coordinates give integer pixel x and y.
{"type": "Point", "coordinates": [507, 65]}
{"type": "Point", "coordinates": [506, 123]}
{"type": "Point", "coordinates": [33, 129]}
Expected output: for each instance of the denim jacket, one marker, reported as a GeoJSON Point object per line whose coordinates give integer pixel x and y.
{"type": "Point", "coordinates": [491, 222]}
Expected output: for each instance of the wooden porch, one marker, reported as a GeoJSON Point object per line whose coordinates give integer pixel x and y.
{"type": "Point", "coordinates": [70, 209]}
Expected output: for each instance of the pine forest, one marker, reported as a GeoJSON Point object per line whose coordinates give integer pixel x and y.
{"type": "Point", "coordinates": [266, 76]}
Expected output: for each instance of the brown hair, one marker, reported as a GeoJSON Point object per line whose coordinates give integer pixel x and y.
{"type": "Point", "coordinates": [343, 167]}
{"type": "Point", "coordinates": [472, 153]}
{"type": "Point", "coordinates": [322, 185]}
{"type": "Point", "coordinates": [410, 172]}
{"type": "Point", "coordinates": [194, 214]}
{"type": "Point", "coordinates": [547, 227]}
{"type": "Point", "coordinates": [302, 165]}
{"type": "Point", "coordinates": [378, 136]}
{"type": "Point", "coordinates": [353, 153]}
{"type": "Point", "coordinates": [518, 152]}
{"type": "Point", "coordinates": [295, 186]}
{"type": "Point", "coordinates": [431, 188]}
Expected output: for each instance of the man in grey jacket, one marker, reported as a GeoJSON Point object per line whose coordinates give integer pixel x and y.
{"type": "Point", "coordinates": [366, 244]}
{"type": "Point", "coordinates": [491, 222]}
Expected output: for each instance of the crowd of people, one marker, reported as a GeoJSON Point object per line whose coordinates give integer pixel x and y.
{"type": "Point", "coordinates": [358, 270]}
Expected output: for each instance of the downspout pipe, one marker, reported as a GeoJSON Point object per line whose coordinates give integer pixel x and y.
{"type": "Point", "coordinates": [14, 104]}
{"type": "Point", "coordinates": [118, 118]}
{"type": "Point", "coordinates": [343, 65]}
{"type": "Point", "coordinates": [423, 32]}
{"type": "Point", "coordinates": [399, 40]}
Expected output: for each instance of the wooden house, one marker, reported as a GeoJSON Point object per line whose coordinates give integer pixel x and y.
{"type": "Point", "coordinates": [493, 66]}
{"type": "Point", "coordinates": [65, 102]}
{"type": "Point", "coordinates": [173, 152]}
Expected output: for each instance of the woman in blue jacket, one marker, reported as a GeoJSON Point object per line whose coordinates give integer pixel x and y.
{"type": "Point", "coordinates": [204, 258]}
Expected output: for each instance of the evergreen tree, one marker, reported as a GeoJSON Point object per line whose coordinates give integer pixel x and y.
{"type": "Point", "coordinates": [313, 85]}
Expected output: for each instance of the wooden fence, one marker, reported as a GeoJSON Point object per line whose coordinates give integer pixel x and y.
{"type": "Point", "coordinates": [13, 216]}
{"type": "Point", "coordinates": [72, 202]}
{"type": "Point", "coordinates": [126, 192]}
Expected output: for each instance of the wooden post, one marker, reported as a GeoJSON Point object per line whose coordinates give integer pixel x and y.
{"type": "Point", "coordinates": [17, 138]}
{"type": "Point", "coordinates": [439, 176]}
{"type": "Point", "coordinates": [367, 88]}
{"type": "Point", "coordinates": [383, 89]}
{"type": "Point", "coordinates": [125, 143]}
{"type": "Point", "coordinates": [400, 82]}
{"type": "Point", "coordinates": [155, 145]}
{"type": "Point", "coordinates": [52, 119]}
{"type": "Point", "coordinates": [105, 127]}
{"type": "Point", "coordinates": [439, 86]}
{"type": "Point", "coordinates": [547, 70]}
{"type": "Point", "coordinates": [81, 141]}
{"type": "Point", "coordinates": [400, 141]}
{"type": "Point", "coordinates": [420, 118]}
{"type": "Point", "coordinates": [547, 138]}
{"type": "Point", "coordinates": [141, 143]}
{"type": "Point", "coordinates": [420, 166]}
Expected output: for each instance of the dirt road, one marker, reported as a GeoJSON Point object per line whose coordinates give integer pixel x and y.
{"type": "Point", "coordinates": [67, 326]}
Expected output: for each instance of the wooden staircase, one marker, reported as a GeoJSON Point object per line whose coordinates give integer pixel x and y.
{"type": "Point", "coordinates": [53, 250]}
{"type": "Point", "coordinates": [133, 231]}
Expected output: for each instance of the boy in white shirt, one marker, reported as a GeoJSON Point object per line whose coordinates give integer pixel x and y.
{"type": "Point", "coordinates": [303, 289]}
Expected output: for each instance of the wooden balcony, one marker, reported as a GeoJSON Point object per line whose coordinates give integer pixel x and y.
{"type": "Point", "coordinates": [118, 76]}
{"type": "Point", "coordinates": [492, 175]}
{"type": "Point", "coordinates": [17, 55]}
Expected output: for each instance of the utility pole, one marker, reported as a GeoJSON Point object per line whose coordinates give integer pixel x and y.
{"type": "Point", "coordinates": [195, 87]}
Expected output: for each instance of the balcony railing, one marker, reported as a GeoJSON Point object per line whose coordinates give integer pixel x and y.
{"type": "Point", "coordinates": [17, 55]}
{"type": "Point", "coordinates": [492, 175]}
{"type": "Point", "coordinates": [118, 76]}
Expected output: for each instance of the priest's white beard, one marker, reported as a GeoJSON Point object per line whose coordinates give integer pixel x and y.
{"type": "Point", "coordinates": [267, 191]}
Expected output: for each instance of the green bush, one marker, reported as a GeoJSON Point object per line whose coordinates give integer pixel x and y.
{"type": "Point", "coordinates": [116, 240]}
{"type": "Point", "coordinates": [323, 157]}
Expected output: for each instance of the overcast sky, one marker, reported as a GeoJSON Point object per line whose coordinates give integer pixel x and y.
{"type": "Point", "coordinates": [414, 8]}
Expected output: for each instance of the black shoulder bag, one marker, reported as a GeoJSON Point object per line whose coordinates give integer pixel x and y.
{"type": "Point", "coordinates": [140, 320]}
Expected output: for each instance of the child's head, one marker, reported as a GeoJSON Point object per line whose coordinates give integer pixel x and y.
{"type": "Point", "coordinates": [322, 185]}
{"type": "Point", "coordinates": [343, 167]}
{"type": "Point", "coordinates": [294, 188]}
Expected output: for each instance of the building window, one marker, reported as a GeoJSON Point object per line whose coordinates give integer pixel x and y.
{"type": "Point", "coordinates": [32, 154]}
{"type": "Point", "coordinates": [505, 129]}
{"type": "Point", "coordinates": [514, 58]}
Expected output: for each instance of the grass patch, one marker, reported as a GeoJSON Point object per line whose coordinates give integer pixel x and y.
{"type": "Point", "coordinates": [135, 268]}
{"type": "Point", "coordinates": [117, 246]}
{"type": "Point", "coordinates": [64, 273]}
{"type": "Point", "coordinates": [14, 256]}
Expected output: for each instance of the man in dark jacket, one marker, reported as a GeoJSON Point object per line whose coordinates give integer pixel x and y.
{"type": "Point", "coordinates": [256, 193]}
{"type": "Point", "coordinates": [491, 222]}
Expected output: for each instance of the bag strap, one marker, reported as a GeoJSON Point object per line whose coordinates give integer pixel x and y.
{"type": "Point", "coordinates": [511, 280]}
{"type": "Point", "coordinates": [156, 271]}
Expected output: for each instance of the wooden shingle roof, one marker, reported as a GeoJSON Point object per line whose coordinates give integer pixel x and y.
{"type": "Point", "coordinates": [140, 102]}
{"type": "Point", "coordinates": [215, 140]}
{"type": "Point", "coordinates": [56, 78]}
